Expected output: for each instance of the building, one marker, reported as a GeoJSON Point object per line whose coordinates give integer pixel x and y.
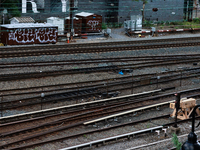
{"type": "Point", "coordinates": [26, 19]}
{"type": "Point", "coordinates": [115, 10]}
{"type": "Point", "coordinates": [57, 22]}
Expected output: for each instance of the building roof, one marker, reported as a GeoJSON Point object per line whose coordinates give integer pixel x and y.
{"type": "Point", "coordinates": [73, 18]}
{"type": "Point", "coordinates": [55, 18]}
{"type": "Point", "coordinates": [84, 14]}
{"type": "Point", "coordinates": [28, 25]}
{"type": "Point", "coordinates": [25, 19]}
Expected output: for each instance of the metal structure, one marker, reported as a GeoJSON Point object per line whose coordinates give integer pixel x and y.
{"type": "Point", "coordinates": [188, 10]}
{"type": "Point", "coordinates": [192, 143]}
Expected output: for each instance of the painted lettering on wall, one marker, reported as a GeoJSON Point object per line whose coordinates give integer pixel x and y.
{"type": "Point", "coordinates": [93, 24]}
{"type": "Point", "coordinates": [65, 8]}
{"type": "Point", "coordinates": [33, 4]}
{"type": "Point", "coordinates": [64, 5]}
{"type": "Point", "coordinates": [41, 35]}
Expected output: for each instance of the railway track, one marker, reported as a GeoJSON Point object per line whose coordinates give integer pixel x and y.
{"type": "Point", "coordinates": [92, 105]}
{"type": "Point", "coordinates": [146, 59]}
{"type": "Point", "coordinates": [95, 48]}
{"type": "Point", "coordinates": [126, 136]}
{"type": "Point", "coordinates": [75, 135]}
{"type": "Point", "coordinates": [91, 132]}
{"type": "Point", "coordinates": [94, 111]}
{"type": "Point", "coordinates": [100, 44]}
{"type": "Point", "coordinates": [95, 90]}
{"type": "Point", "coordinates": [39, 127]}
{"type": "Point", "coordinates": [114, 68]}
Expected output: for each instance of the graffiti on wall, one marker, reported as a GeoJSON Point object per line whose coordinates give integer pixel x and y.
{"type": "Point", "coordinates": [93, 24]}
{"type": "Point", "coordinates": [40, 35]}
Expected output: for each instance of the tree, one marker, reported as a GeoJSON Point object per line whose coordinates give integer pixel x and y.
{"type": "Point", "coordinates": [143, 7]}
{"type": "Point", "coordinates": [12, 6]}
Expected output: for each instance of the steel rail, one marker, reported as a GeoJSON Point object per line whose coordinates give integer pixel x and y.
{"type": "Point", "coordinates": [71, 126]}
{"type": "Point", "coordinates": [60, 110]}
{"type": "Point", "coordinates": [91, 91]}
{"type": "Point", "coordinates": [73, 92]}
{"type": "Point", "coordinates": [77, 106]}
{"type": "Point", "coordinates": [78, 45]}
{"type": "Point", "coordinates": [22, 104]}
{"type": "Point", "coordinates": [5, 77]}
{"type": "Point", "coordinates": [115, 138]}
{"type": "Point", "coordinates": [92, 50]}
{"type": "Point", "coordinates": [8, 91]}
{"type": "Point", "coordinates": [99, 111]}
{"type": "Point", "coordinates": [88, 132]}
{"type": "Point", "coordinates": [88, 61]}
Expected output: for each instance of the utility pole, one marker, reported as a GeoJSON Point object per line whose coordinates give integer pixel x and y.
{"type": "Point", "coordinates": [71, 18]}
{"type": "Point", "coordinates": [177, 105]}
{"type": "Point", "coordinates": [0, 22]}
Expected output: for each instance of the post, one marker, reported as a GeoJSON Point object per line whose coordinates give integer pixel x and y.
{"type": "Point", "coordinates": [158, 77]}
{"type": "Point", "coordinates": [181, 79]}
{"type": "Point", "coordinates": [42, 97]}
{"type": "Point", "coordinates": [118, 20]}
{"type": "Point", "coordinates": [77, 94]}
{"type": "Point", "coordinates": [1, 106]}
{"type": "Point", "coordinates": [71, 17]}
{"type": "Point", "coordinates": [107, 88]}
{"type": "Point", "coordinates": [3, 18]}
{"type": "Point", "coordinates": [132, 85]}
{"type": "Point", "coordinates": [177, 105]}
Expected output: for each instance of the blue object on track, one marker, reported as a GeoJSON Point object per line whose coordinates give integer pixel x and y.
{"type": "Point", "coordinates": [121, 73]}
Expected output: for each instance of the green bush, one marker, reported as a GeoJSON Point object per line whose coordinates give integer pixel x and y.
{"type": "Point", "coordinates": [147, 23]}
{"type": "Point", "coordinates": [177, 144]}
{"type": "Point", "coordinates": [110, 25]}
{"type": "Point", "coordinates": [167, 23]}
{"type": "Point", "coordinates": [196, 20]}
{"type": "Point", "coordinates": [115, 25]}
{"type": "Point", "coordinates": [104, 26]}
{"type": "Point", "coordinates": [120, 25]}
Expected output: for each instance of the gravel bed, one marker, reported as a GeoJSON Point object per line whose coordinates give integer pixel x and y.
{"type": "Point", "coordinates": [123, 144]}
{"type": "Point", "coordinates": [86, 77]}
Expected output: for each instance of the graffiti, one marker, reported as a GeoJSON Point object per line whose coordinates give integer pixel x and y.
{"type": "Point", "coordinates": [93, 24]}
{"type": "Point", "coordinates": [44, 35]}
{"type": "Point", "coordinates": [40, 35]}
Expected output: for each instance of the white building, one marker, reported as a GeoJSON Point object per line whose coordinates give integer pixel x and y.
{"type": "Point", "coordinates": [57, 22]}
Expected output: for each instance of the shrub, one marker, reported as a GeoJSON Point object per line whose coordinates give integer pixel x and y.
{"type": "Point", "coordinates": [167, 23]}
{"type": "Point", "coordinates": [148, 23]}
{"type": "Point", "coordinates": [177, 144]}
{"type": "Point", "coordinates": [104, 26]}
{"type": "Point", "coordinates": [196, 20]}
